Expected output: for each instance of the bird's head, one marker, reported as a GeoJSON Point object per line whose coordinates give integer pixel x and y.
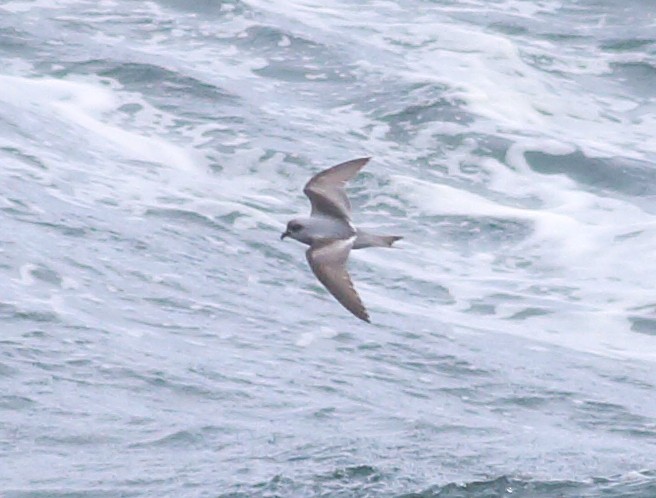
{"type": "Point", "coordinates": [297, 229]}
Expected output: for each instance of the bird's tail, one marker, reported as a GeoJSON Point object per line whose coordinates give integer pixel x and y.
{"type": "Point", "coordinates": [366, 239]}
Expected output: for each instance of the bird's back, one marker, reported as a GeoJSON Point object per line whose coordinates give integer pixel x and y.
{"type": "Point", "coordinates": [327, 227]}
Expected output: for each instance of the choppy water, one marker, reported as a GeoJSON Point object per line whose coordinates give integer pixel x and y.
{"type": "Point", "coordinates": [157, 339]}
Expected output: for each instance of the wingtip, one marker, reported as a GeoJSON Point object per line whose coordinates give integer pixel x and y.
{"type": "Point", "coordinates": [361, 160]}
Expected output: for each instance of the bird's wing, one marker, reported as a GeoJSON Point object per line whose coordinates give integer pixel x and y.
{"type": "Point", "coordinates": [327, 259]}
{"type": "Point", "coordinates": [326, 189]}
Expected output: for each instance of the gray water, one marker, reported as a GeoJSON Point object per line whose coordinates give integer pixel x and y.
{"type": "Point", "coordinates": [158, 339]}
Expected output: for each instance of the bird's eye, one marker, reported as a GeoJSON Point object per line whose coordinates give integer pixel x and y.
{"type": "Point", "coordinates": [295, 227]}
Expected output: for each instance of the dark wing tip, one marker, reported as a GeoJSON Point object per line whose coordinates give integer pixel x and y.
{"type": "Point", "coordinates": [360, 313]}
{"type": "Point", "coordinates": [340, 173]}
{"type": "Point", "coordinates": [362, 161]}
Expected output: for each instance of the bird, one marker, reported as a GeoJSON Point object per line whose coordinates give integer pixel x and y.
{"type": "Point", "coordinates": [331, 235]}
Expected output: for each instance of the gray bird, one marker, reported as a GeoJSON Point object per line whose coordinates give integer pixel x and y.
{"type": "Point", "coordinates": [331, 235]}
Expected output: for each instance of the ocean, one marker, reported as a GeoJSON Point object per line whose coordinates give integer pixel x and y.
{"type": "Point", "coordinates": [157, 338]}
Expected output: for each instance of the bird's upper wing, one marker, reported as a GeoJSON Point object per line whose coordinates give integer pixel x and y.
{"type": "Point", "coordinates": [326, 189]}
{"type": "Point", "coordinates": [327, 259]}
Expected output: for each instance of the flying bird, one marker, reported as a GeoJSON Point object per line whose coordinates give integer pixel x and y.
{"type": "Point", "coordinates": [331, 235]}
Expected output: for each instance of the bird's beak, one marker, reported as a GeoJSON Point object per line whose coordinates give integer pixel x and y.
{"type": "Point", "coordinates": [284, 234]}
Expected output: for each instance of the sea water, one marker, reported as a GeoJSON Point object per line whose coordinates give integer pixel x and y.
{"type": "Point", "coordinates": [158, 339]}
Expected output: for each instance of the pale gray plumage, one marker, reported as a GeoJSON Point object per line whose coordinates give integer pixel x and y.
{"type": "Point", "coordinates": [331, 236]}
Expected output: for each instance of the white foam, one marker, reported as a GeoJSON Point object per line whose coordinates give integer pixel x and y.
{"type": "Point", "coordinates": [494, 75]}
{"type": "Point", "coordinates": [85, 107]}
{"type": "Point", "coordinates": [89, 110]}
{"type": "Point", "coordinates": [572, 245]}
{"type": "Point", "coordinates": [26, 277]}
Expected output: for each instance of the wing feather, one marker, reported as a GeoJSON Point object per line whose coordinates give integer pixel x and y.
{"type": "Point", "coordinates": [326, 189]}
{"type": "Point", "coordinates": [327, 259]}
